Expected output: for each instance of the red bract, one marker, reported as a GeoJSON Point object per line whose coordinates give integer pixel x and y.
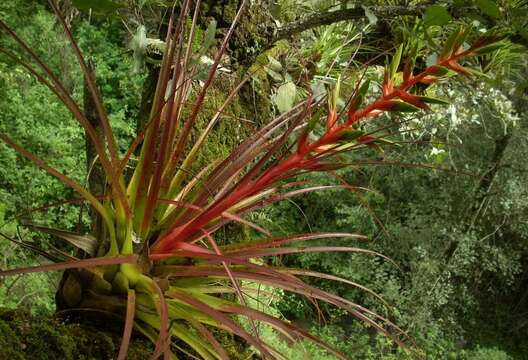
{"type": "Point", "coordinates": [289, 166]}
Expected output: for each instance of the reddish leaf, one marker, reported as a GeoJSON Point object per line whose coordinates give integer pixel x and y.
{"type": "Point", "coordinates": [77, 264]}
{"type": "Point", "coordinates": [163, 342]}
{"type": "Point", "coordinates": [221, 318]}
{"type": "Point", "coordinates": [411, 99]}
{"type": "Point", "coordinates": [384, 105]}
{"type": "Point", "coordinates": [212, 340]}
{"type": "Point", "coordinates": [278, 241]}
{"type": "Point", "coordinates": [285, 328]}
{"type": "Point", "coordinates": [129, 322]}
{"type": "Point", "coordinates": [302, 250]}
{"type": "Point", "coordinates": [453, 65]}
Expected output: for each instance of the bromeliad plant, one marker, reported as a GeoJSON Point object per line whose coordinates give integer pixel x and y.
{"type": "Point", "coordinates": [156, 260]}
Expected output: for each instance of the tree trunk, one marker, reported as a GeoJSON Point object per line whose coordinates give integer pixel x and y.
{"type": "Point", "coordinates": [482, 191]}
{"type": "Point", "coordinates": [71, 287]}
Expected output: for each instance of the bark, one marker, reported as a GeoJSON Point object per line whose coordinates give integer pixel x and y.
{"type": "Point", "coordinates": [270, 33]}
{"type": "Point", "coordinates": [331, 17]}
{"type": "Point", "coordinates": [71, 287]}
{"type": "Point", "coordinates": [95, 174]}
{"type": "Point", "coordinates": [483, 189]}
{"type": "Point", "coordinates": [147, 96]}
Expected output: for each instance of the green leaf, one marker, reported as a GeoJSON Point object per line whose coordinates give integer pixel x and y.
{"type": "Point", "coordinates": [489, 48]}
{"type": "Point", "coordinates": [285, 97]}
{"type": "Point", "coordinates": [209, 35]}
{"type": "Point", "coordinates": [436, 15]}
{"type": "Point", "coordinates": [489, 8]}
{"type": "Point", "coordinates": [386, 141]}
{"type": "Point", "coordinates": [396, 61]}
{"type": "Point", "coordinates": [139, 47]}
{"type": "Point", "coordinates": [87, 243]}
{"type": "Point", "coordinates": [273, 64]}
{"type": "Point", "coordinates": [273, 68]}
{"type": "Point", "coordinates": [315, 119]}
{"type": "Point", "coordinates": [454, 41]}
{"type": "Point", "coordinates": [358, 99]}
{"type": "Point", "coordinates": [432, 100]}
{"type": "Point", "coordinates": [318, 90]}
{"type": "Point", "coordinates": [442, 71]}
{"type": "Point", "coordinates": [274, 75]}
{"type": "Point", "coordinates": [98, 6]}
{"type": "Point", "coordinates": [364, 88]}
{"type": "Point", "coordinates": [524, 33]}
{"type": "Point", "coordinates": [350, 135]}
{"type": "Point", "coordinates": [448, 45]}
{"type": "Point", "coordinates": [401, 106]}
{"type": "Point", "coordinates": [335, 96]}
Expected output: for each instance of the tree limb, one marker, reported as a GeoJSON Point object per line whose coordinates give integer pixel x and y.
{"type": "Point", "coordinates": [331, 17]}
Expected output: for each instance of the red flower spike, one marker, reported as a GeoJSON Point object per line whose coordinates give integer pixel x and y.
{"type": "Point", "coordinates": [353, 118]}
{"type": "Point", "coordinates": [437, 70]}
{"type": "Point", "coordinates": [367, 139]}
{"type": "Point", "coordinates": [303, 142]}
{"type": "Point", "coordinates": [453, 65]}
{"type": "Point", "coordinates": [484, 41]}
{"type": "Point", "coordinates": [411, 99]}
{"type": "Point", "coordinates": [357, 100]}
{"type": "Point", "coordinates": [407, 72]}
{"type": "Point", "coordinates": [315, 166]}
{"type": "Point", "coordinates": [429, 79]}
{"type": "Point", "coordinates": [373, 113]}
{"type": "Point", "coordinates": [386, 89]}
{"type": "Point", "coordinates": [301, 159]}
{"type": "Point", "coordinates": [387, 84]}
{"type": "Point", "coordinates": [384, 105]}
{"type": "Point", "coordinates": [331, 119]}
{"type": "Point", "coordinates": [351, 110]}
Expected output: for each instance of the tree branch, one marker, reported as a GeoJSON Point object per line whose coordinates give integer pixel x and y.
{"type": "Point", "coordinates": [331, 17]}
{"type": "Point", "coordinates": [384, 13]}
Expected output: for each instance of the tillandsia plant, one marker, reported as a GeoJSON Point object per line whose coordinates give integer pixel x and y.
{"type": "Point", "coordinates": [155, 260]}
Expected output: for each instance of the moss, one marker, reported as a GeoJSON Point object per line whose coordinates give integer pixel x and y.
{"type": "Point", "coordinates": [23, 336]}
{"type": "Point", "coordinates": [236, 348]}
{"type": "Point", "coordinates": [10, 344]}
{"type": "Point", "coordinates": [254, 31]}
{"type": "Point", "coordinates": [240, 119]}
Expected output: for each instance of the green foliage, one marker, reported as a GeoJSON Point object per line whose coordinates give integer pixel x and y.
{"type": "Point", "coordinates": [489, 7]}
{"type": "Point", "coordinates": [491, 354]}
{"type": "Point", "coordinates": [26, 107]}
{"type": "Point", "coordinates": [98, 6]}
{"type": "Point", "coordinates": [436, 15]}
{"type": "Point", "coordinates": [443, 298]}
{"type": "Point", "coordinates": [285, 97]}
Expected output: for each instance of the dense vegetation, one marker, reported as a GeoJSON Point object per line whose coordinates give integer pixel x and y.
{"type": "Point", "coordinates": [444, 196]}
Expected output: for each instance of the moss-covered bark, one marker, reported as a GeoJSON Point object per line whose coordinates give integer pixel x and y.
{"type": "Point", "coordinates": [23, 336]}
